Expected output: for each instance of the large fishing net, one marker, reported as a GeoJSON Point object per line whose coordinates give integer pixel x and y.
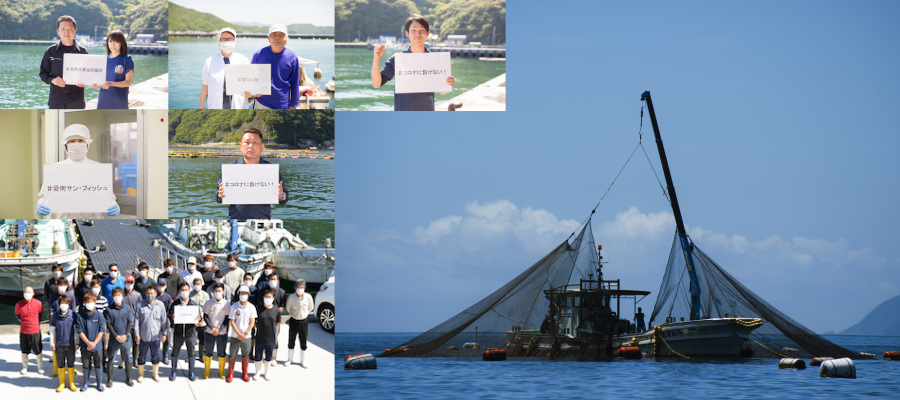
{"type": "Point", "coordinates": [722, 296]}
{"type": "Point", "coordinates": [520, 303]}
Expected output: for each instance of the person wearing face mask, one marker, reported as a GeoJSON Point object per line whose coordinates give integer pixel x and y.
{"type": "Point", "coordinates": [142, 278]}
{"type": "Point", "coordinates": [114, 280]}
{"type": "Point", "coordinates": [215, 312]}
{"type": "Point", "coordinates": [299, 305]}
{"type": "Point", "coordinates": [132, 298]}
{"type": "Point", "coordinates": [209, 271]}
{"type": "Point", "coordinates": [234, 275]}
{"type": "Point", "coordinates": [28, 312]}
{"type": "Point", "coordinates": [183, 334]}
{"type": "Point", "coordinates": [63, 289]}
{"type": "Point", "coordinates": [163, 296]}
{"type": "Point", "coordinates": [90, 326]}
{"type": "Point", "coordinates": [62, 342]}
{"type": "Point", "coordinates": [101, 306]}
{"type": "Point", "coordinates": [50, 284]}
{"type": "Point", "coordinates": [263, 282]}
{"type": "Point", "coordinates": [150, 324]}
{"type": "Point", "coordinates": [267, 324]}
{"type": "Point", "coordinates": [173, 279]}
{"type": "Point", "coordinates": [220, 279]}
{"type": "Point", "coordinates": [243, 320]}
{"type": "Point", "coordinates": [199, 296]}
{"type": "Point", "coordinates": [76, 141]}
{"type": "Point", "coordinates": [84, 287]}
{"type": "Point", "coordinates": [280, 300]}
{"type": "Point", "coordinates": [191, 273]}
{"type": "Point", "coordinates": [213, 91]}
{"type": "Point", "coordinates": [247, 282]}
{"type": "Point", "coordinates": [119, 324]}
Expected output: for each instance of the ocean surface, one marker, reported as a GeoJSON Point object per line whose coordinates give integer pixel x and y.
{"type": "Point", "coordinates": [531, 378]}
{"type": "Point", "coordinates": [354, 90]}
{"type": "Point", "coordinates": [21, 85]}
{"type": "Point", "coordinates": [187, 56]}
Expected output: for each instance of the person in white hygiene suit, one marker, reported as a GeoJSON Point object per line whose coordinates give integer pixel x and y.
{"type": "Point", "coordinates": [77, 140]}
{"type": "Point", "coordinates": [213, 90]}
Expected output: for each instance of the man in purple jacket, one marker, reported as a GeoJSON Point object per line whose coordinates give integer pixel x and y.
{"type": "Point", "coordinates": [285, 72]}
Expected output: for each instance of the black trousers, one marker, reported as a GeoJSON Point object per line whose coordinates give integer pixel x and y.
{"type": "Point", "coordinates": [297, 328]}
{"type": "Point", "coordinates": [65, 356]}
{"type": "Point", "coordinates": [177, 341]}
{"type": "Point", "coordinates": [31, 343]}
{"type": "Point", "coordinates": [91, 359]}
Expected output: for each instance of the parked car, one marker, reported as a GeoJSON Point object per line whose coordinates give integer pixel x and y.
{"type": "Point", "coordinates": [325, 305]}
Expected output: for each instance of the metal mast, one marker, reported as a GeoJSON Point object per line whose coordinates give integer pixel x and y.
{"type": "Point", "coordinates": [682, 235]}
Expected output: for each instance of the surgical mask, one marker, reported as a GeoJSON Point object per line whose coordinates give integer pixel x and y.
{"type": "Point", "coordinates": [244, 297]}
{"type": "Point", "coordinates": [268, 301]}
{"type": "Point", "coordinates": [232, 264]}
{"type": "Point", "coordinates": [88, 278]}
{"type": "Point", "coordinates": [95, 290]}
{"type": "Point", "coordinates": [169, 270]}
{"type": "Point", "coordinates": [208, 264]}
{"type": "Point", "coordinates": [248, 283]}
{"type": "Point", "coordinates": [57, 274]}
{"type": "Point", "coordinates": [129, 286]}
{"type": "Point", "coordinates": [273, 284]}
{"type": "Point", "coordinates": [217, 295]}
{"type": "Point", "coordinates": [62, 289]}
{"type": "Point", "coordinates": [184, 293]}
{"type": "Point", "coordinates": [76, 151]}
{"type": "Point", "coordinates": [268, 272]}
{"type": "Point", "coordinates": [226, 47]}
{"type": "Point", "coordinates": [191, 267]}
{"type": "Point", "coordinates": [28, 296]}
{"type": "Point", "coordinates": [151, 297]}
{"type": "Point", "coordinates": [113, 274]}
{"type": "Point", "coordinates": [219, 280]}
{"type": "Point", "coordinates": [89, 306]}
{"type": "Point", "coordinates": [299, 292]}
{"type": "Point", "coordinates": [162, 289]}
{"type": "Point", "coordinates": [143, 274]}
{"type": "Point", "coordinates": [64, 307]}
{"type": "Point", "coordinates": [197, 288]}
{"type": "Point", "coordinates": [117, 299]}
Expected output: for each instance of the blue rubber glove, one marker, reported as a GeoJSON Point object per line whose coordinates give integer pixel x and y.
{"type": "Point", "coordinates": [42, 210]}
{"type": "Point", "coordinates": [113, 210]}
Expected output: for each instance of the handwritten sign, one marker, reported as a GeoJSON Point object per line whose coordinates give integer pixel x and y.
{"type": "Point", "coordinates": [250, 183]}
{"type": "Point", "coordinates": [186, 314]}
{"type": "Point", "coordinates": [84, 69]}
{"type": "Point", "coordinates": [421, 72]}
{"type": "Point", "coordinates": [81, 188]}
{"type": "Point", "coordinates": [253, 78]}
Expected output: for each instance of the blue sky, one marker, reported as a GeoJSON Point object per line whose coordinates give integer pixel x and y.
{"type": "Point", "coordinates": [779, 121]}
{"type": "Point", "coordinates": [316, 12]}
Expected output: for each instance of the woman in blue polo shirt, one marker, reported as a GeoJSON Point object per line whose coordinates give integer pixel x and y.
{"type": "Point", "coordinates": [119, 71]}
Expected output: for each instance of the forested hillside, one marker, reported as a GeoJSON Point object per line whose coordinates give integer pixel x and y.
{"type": "Point", "coordinates": [285, 127]}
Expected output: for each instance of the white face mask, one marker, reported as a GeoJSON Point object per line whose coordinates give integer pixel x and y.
{"type": "Point", "coordinates": [233, 264]}
{"type": "Point", "coordinates": [113, 274]}
{"type": "Point", "coordinates": [273, 284]}
{"type": "Point", "coordinates": [184, 294]}
{"type": "Point", "coordinates": [64, 307]}
{"type": "Point", "coordinates": [117, 299]}
{"type": "Point", "coordinates": [248, 283]}
{"type": "Point", "coordinates": [226, 47]}
{"type": "Point", "coordinates": [88, 278]}
{"type": "Point", "coordinates": [77, 151]}
{"type": "Point", "coordinates": [170, 270]}
{"type": "Point", "coordinates": [191, 267]}
{"type": "Point", "coordinates": [219, 280]}
{"type": "Point", "coordinates": [244, 297]}
{"type": "Point", "coordinates": [95, 290]}
{"type": "Point", "coordinates": [143, 274]}
{"type": "Point", "coordinates": [129, 286]}
{"type": "Point", "coordinates": [268, 301]}
{"type": "Point", "coordinates": [218, 295]}
{"type": "Point", "coordinates": [89, 306]}
{"type": "Point", "coordinates": [28, 296]}
{"type": "Point", "coordinates": [197, 288]}
{"type": "Point", "coordinates": [61, 289]}
{"type": "Point", "coordinates": [162, 289]}
{"type": "Point", "coordinates": [57, 274]}
{"type": "Point", "coordinates": [299, 292]}
{"type": "Point", "coordinates": [208, 264]}
{"type": "Point", "coordinates": [268, 272]}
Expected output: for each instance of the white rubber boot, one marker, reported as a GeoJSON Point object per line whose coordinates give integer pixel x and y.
{"type": "Point", "coordinates": [40, 363]}
{"type": "Point", "coordinates": [290, 358]}
{"type": "Point", "coordinates": [24, 364]}
{"type": "Point", "coordinates": [266, 371]}
{"type": "Point", "coordinates": [258, 365]}
{"type": "Point", "coordinates": [303, 358]}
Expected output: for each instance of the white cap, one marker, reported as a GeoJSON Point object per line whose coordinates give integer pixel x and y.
{"type": "Point", "coordinates": [278, 28]}
{"type": "Point", "coordinates": [243, 289]}
{"type": "Point", "coordinates": [233, 33]}
{"type": "Point", "coordinates": [76, 131]}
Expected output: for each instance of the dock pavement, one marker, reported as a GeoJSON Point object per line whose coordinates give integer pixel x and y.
{"type": "Point", "coordinates": [293, 382]}
{"type": "Point", "coordinates": [152, 93]}
{"type": "Point", "coordinates": [489, 96]}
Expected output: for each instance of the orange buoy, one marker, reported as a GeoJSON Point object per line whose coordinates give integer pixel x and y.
{"type": "Point", "coordinates": [892, 355]}
{"type": "Point", "coordinates": [631, 353]}
{"type": "Point", "coordinates": [494, 355]}
{"type": "Point", "coordinates": [815, 362]}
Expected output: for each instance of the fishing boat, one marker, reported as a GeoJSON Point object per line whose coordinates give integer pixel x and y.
{"type": "Point", "coordinates": [28, 250]}
{"type": "Point", "coordinates": [201, 237]}
{"type": "Point", "coordinates": [293, 258]}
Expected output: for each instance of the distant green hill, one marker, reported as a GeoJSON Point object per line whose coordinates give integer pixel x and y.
{"type": "Point", "coordinates": [186, 19]}
{"type": "Point", "coordinates": [36, 19]}
{"type": "Point", "coordinates": [370, 18]}
{"type": "Point", "coordinates": [281, 126]}
{"type": "Point", "coordinates": [884, 320]}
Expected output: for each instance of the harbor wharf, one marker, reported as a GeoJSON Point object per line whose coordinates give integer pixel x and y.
{"type": "Point", "coordinates": [152, 93]}
{"type": "Point", "coordinates": [489, 96]}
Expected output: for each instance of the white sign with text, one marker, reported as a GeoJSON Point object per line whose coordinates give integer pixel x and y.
{"type": "Point", "coordinates": [187, 314]}
{"type": "Point", "coordinates": [250, 183]}
{"type": "Point", "coordinates": [253, 78]}
{"type": "Point", "coordinates": [84, 69]}
{"type": "Point", "coordinates": [80, 188]}
{"type": "Point", "coordinates": [421, 72]}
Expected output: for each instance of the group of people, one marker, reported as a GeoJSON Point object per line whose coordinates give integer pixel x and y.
{"type": "Point", "coordinates": [288, 75]}
{"type": "Point", "coordinates": [135, 316]}
{"type": "Point", "coordinates": [119, 70]}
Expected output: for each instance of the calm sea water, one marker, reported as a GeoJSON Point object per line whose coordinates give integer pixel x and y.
{"type": "Point", "coordinates": [310, 184]}
{"type": "Point", "coordinates": [21, 85]}
{"type": "Point", "coordinates": [467, 378]}
{"type": "Point", "coordinates": [354, 90]}
{"type": "Point", "coordinates": [187, 56]}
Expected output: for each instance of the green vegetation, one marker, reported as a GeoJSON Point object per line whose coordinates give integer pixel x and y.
{"type": "Point", "coordinates": [186, 19]}
{"type": "Point", "coordinates": [36, 19]}
{"type": "Point", "coordinates": [279, 126]}
{"type": "Point", "coordinates": [372, 18]}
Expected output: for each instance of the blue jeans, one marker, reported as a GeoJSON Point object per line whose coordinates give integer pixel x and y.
{"type": "Point", "coordinates": [115, 346]}
{"type": "Point", "coordinates": [153, 347]}
{"type": "Point", "coordinates": [261, 348]}
{"type": "Point", "coordinates": [215, 341]}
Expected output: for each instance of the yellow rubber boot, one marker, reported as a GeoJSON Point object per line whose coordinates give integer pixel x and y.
{"type": "Point", "coordinates": [206, 362]}
{"type": "Point", "coordinates": [221, 367]}
{"type": "Point", "coordinates": [62, 379]}
{"type": "Point", "coordinates": [72, 379]}
{"type": "Point", "coordinates": [55, 368]}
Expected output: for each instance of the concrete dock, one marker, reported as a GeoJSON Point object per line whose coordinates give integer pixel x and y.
{"type": "Point", "coordinates": [293, 382]}
{"type": "Point", "coordinates": [489, 96]}
{"type": "Point", "coordinates": [153, 93]}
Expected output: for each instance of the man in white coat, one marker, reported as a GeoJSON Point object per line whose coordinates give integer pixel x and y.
{"type": "Point", "coordinates": [77, 141]}
{"type": "Point", "coordinates": [213, 76]}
